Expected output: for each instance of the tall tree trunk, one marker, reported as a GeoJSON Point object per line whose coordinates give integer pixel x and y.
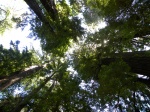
{"type": "Point", "coordinates": [50, 7]}
{"type": "Point", "coordinates": [26, 100]}
{"type": "Point", "coordinates": [9, 80]}
{"type": "Point", "coordinates": [35, 7]}
{"type": "Point", "coordinates": [139, 62]}
{"type": "Point", "coordinates": [38, 11]}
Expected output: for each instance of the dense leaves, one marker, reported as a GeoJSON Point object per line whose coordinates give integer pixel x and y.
{"type": "Point", "coordinates": [121, 86]}
{"type": "Point", "coordinates": [12, 60]}
{"type": "Point", "coordinates": [56, 27]}
{"type": "Point", "coordinates": [107, 70]}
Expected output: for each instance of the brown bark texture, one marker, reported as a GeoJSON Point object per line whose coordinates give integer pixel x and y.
{"type": "Point", "coordinates": [9, 80]}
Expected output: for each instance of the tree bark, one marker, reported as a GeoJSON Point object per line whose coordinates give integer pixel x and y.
{"type": "Point", "coordinates": [38, 11]}
{"type": "Point", "coordinates": [35, 7]}
{"type": "Point", "coordinates": [50, 8]}
{"type": "Point", "coordinates": [26, 100]}
{"type": "Point", "coordinates": [9, 80]}
{"type": "Point", "coordinates": [139, 62]}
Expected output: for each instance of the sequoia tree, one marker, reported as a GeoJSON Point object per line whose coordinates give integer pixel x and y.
{"type": "Point", "coordinates": [117, 55]}
{"type": "Point", "coordinates": [107, 70]}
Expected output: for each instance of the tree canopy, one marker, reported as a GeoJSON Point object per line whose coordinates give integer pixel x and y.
{"type": "Point", "coordinates": [80, 68]}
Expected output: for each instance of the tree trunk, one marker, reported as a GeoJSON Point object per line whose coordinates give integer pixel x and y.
{"type": "Point", "coordinates": [50, 8]}
{"type": "Point", "coordinates": [9, 80]}
{"type": "Point", "coordinates": [38, 11]}
{"type": "Point", "coordinates": [26, 100]}
{"type": "Point", "coordinates": [35, 7]}
{"type": "Point", "coordinates": [139, 62]}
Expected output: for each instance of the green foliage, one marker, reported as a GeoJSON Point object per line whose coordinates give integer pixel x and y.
{"type": "Point", "coordinates": [13, 60]}
{"type": "Point", "coordinates": [126, 22]}
{"type": "Point", "coordinates": [7, 102]}
{"type": "Point", "coordinates": [125, 31]}
{"type": "Point", "coordinates": [60, 98]}
{"type": "Point", "coordinates": [5, 22]}
{"type": "Point", "coordinates": [96, 83]}
{"type": "Point", "coordinates": [115, 77]}
{"type": "Point", "coordinates": [66, 28]}
{"type": "Point", "coordinates": [8, 20]}
{"type": "Point", "coordinates": [117, 84]}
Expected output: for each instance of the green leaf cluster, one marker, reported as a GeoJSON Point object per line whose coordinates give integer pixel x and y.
{"type": "Point", "coordinates": [13, 60]}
